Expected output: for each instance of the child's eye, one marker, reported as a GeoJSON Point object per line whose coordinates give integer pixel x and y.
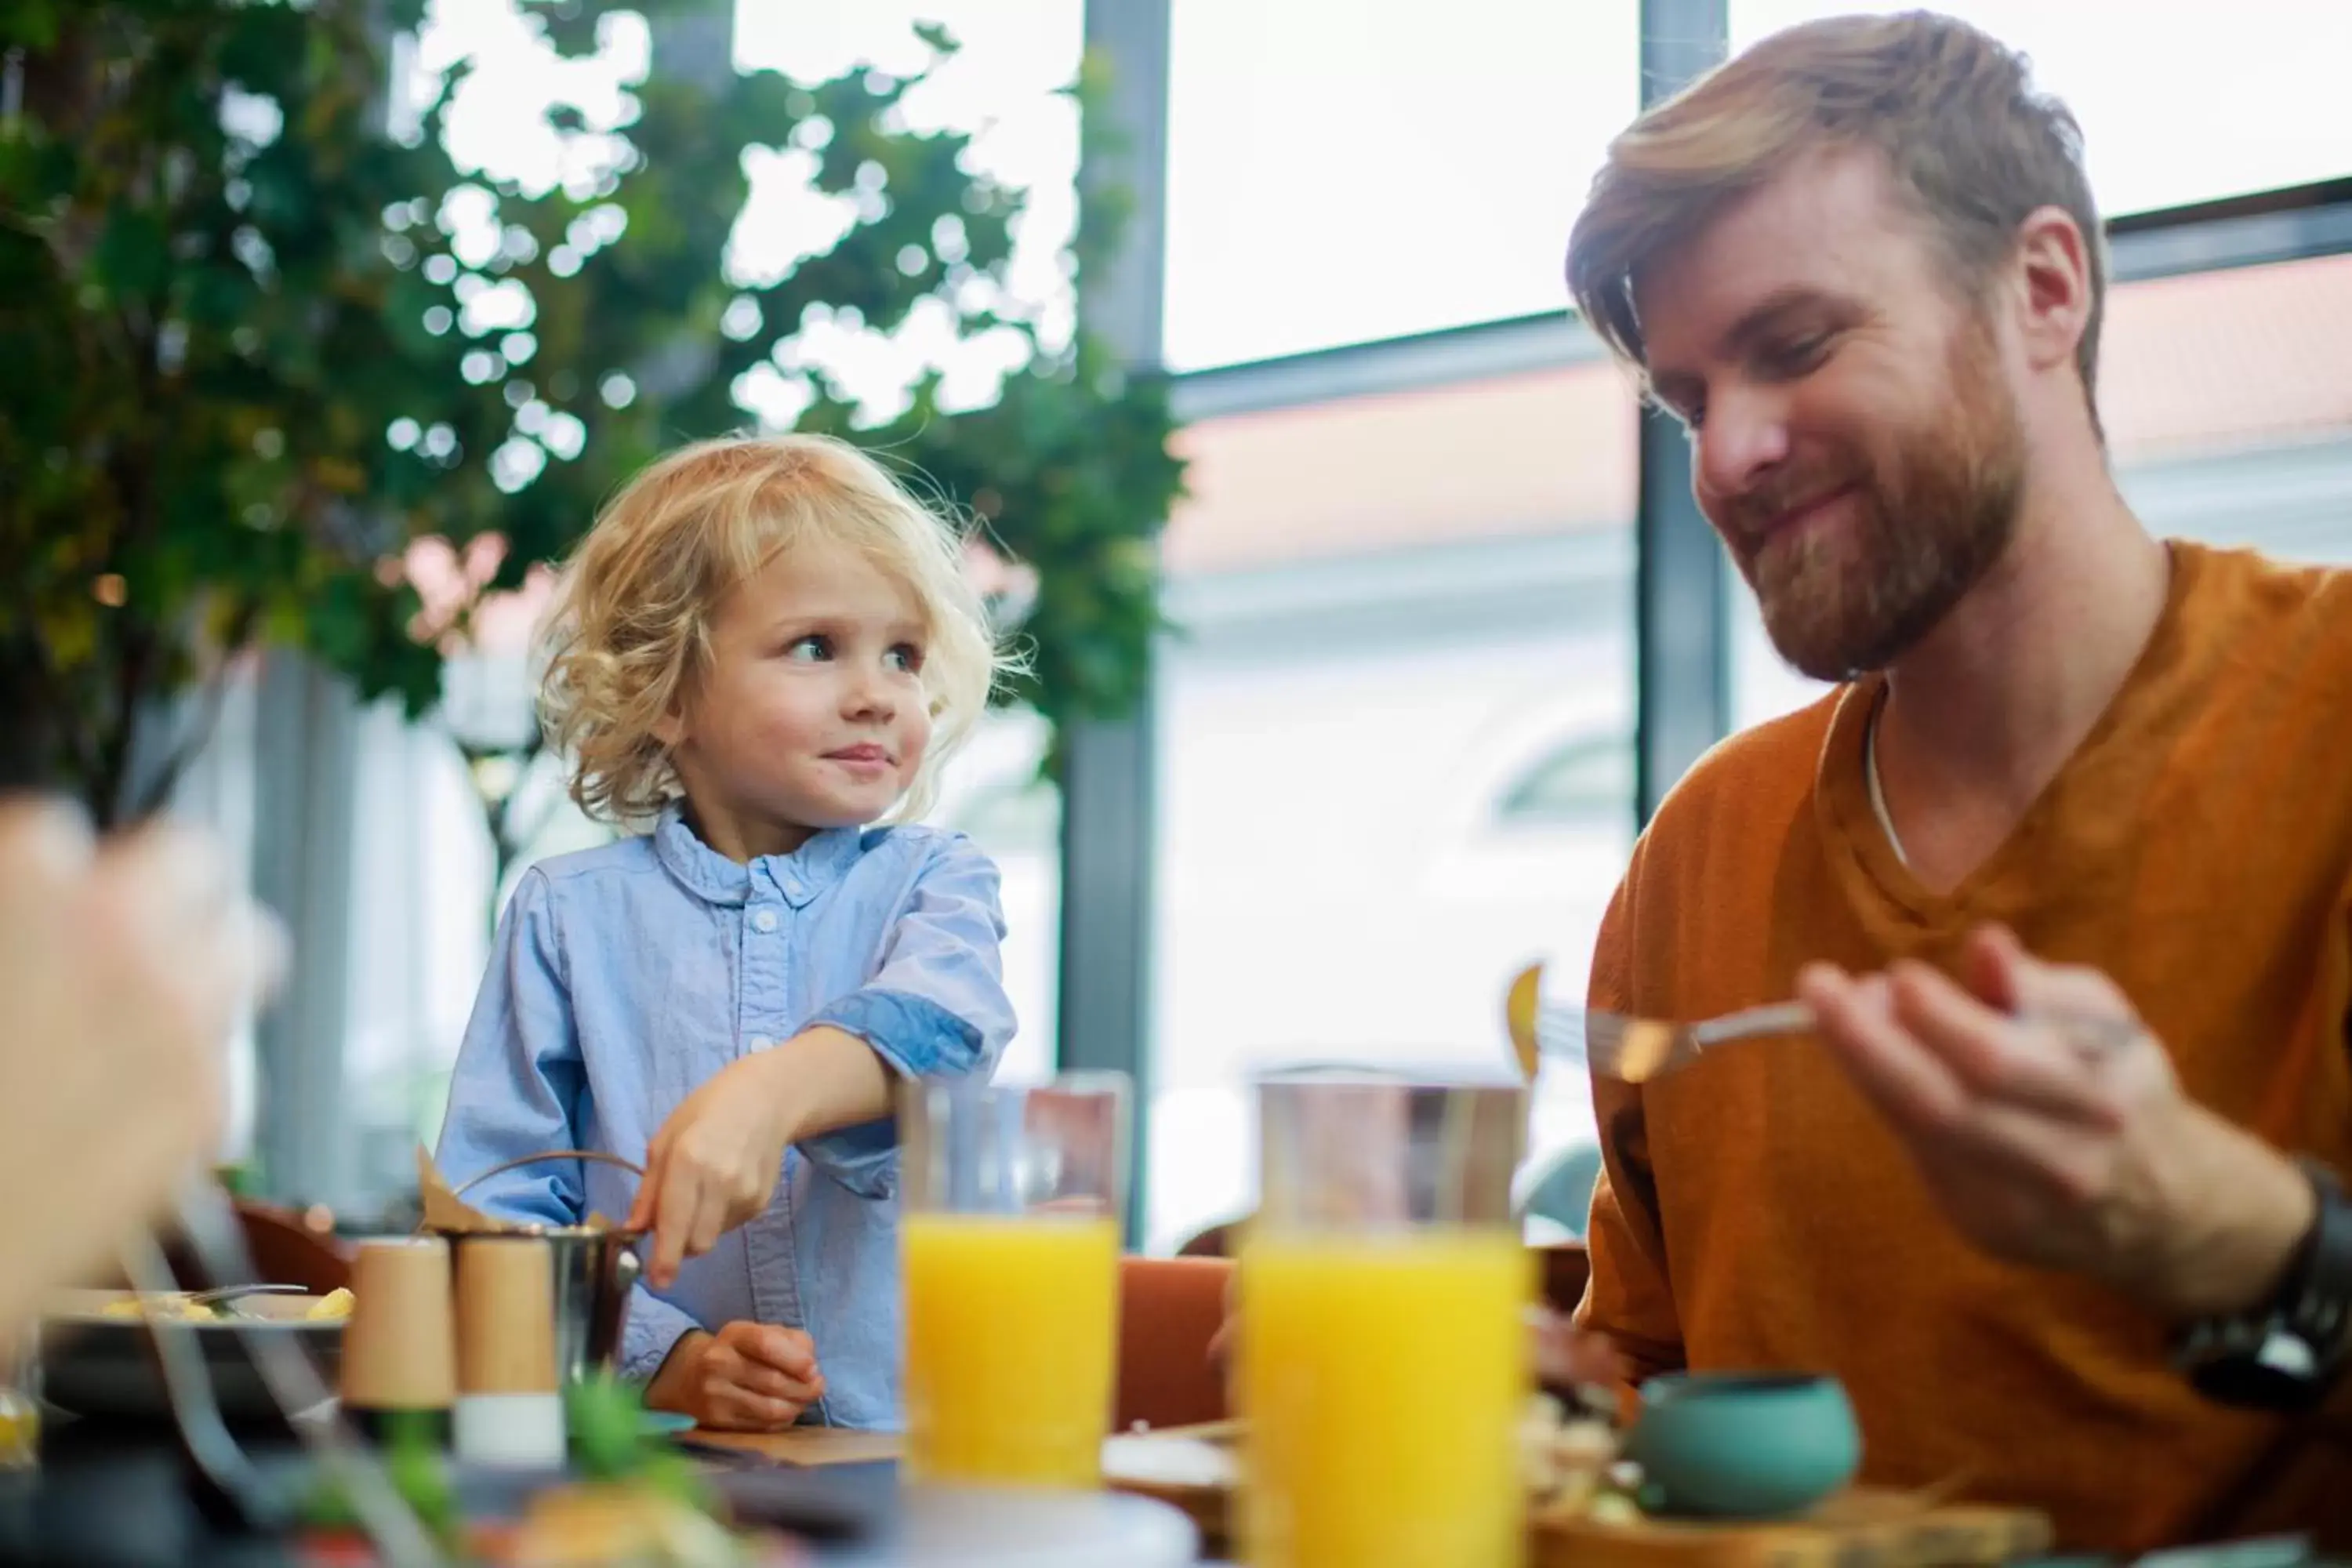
{"type": "Point", "coordinates": [810, 650]}
{"type": "Point", "coordinates": [906, 656]}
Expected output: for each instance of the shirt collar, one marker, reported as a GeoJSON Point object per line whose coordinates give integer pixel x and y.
{"type": "Point", "coordinates": [796, 877]}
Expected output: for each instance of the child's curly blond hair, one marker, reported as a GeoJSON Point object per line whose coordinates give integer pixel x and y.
{"type": "Point", "coordinates": [630, 629]}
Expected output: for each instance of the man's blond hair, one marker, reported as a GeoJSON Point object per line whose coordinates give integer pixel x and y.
{"type": "Point", "coordinates": [1971, 144]}
{"type": "Point", "coordinates": [631, 628]}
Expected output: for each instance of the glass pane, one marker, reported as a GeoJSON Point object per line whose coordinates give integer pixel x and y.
{"type": "Point", "coordinates": [2229, 414]}
{"type": "Point", "coordinates": [2178, 103]}
{"type": "Point", "coordinates": [994, 792]}
{"type": "Point", "coordinates": [1400, 698]}
{"type": "Point", "coordinates": [1343, 173]}
{"type": "Point", "coordinates": [1588, 780]}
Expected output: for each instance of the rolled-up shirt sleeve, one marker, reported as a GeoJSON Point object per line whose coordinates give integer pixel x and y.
{"type": "Point", "coordinates": [935, 1005]}
{"type": "Point", "coordinates": [652, 1330]}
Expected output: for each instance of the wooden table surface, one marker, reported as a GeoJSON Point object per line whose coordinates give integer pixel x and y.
{"type": "Point", "coordinates": [808, 1445]}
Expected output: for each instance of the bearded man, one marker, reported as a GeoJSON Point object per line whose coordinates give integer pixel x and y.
{"type": "Point", "coordinates": [2062, 866]}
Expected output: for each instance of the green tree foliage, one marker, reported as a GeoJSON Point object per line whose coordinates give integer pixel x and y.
{"type": "Point", "coordinates": [257, 336]}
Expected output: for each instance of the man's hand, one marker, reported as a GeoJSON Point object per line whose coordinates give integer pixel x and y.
{"type": "Point", "coordinates": [715, 1163]}
{"type": "Point", "coordinates": [123, 968]}
{"type": "Point", "coordinates": [2058, 1146]}
{"type": "Point", "coordinates": [747, 1377]}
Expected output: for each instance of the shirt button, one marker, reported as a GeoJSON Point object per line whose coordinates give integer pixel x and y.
{"type": "Point", "coordinates": [791, 889]}
{"type": "Point", "coordinates": [766, 919]}
{"type": "Point", "coordinates": [761, 1042]}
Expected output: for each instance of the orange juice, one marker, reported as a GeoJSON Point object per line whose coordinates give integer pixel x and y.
{"type": "Point", "coordinates": [1382, 1381]}
{"type": "Point", "coordinates": [1011, 1333]}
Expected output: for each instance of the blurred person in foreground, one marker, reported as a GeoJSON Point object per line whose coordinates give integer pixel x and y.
{"type": "Point", "coordinates": [2070, 770]}
{"type": "Point", "coordinates": [123, 968]}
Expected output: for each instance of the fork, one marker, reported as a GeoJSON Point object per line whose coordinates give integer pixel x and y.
{"type": "Point", "coordinates": [1635, 1049]}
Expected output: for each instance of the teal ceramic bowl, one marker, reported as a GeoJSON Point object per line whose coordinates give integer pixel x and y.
{"type": "Point", "coordinates": [1743, 1444]}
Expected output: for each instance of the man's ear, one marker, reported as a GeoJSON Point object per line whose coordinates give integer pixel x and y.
{"type": "Point", "coordinates": [2057, 268]}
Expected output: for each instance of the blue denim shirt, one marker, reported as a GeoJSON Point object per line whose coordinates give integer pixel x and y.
{"type": "Point", "coordinates": [623, 977]}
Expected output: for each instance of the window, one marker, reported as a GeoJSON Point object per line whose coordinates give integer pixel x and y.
{"type": "Point", "coordinates": [1378, 650]}
{"type": "Point", "coordinates": [1015, 817]}
{"type": "Point", "coordinates": [993, 790]}
{"type": "Point", "coordinates": [1342, 172]}
{"type": "Point", "coordinates": [1587, 782]}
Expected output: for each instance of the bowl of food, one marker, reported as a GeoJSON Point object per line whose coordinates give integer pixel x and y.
{"type": "Point", "coordinates": [99, 1358]}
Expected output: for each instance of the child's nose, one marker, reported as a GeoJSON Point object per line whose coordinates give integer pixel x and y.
{"type": "Point", "coordinates": [870, 693]}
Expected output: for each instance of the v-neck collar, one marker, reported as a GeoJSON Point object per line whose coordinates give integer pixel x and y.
{"type": "Point", "coordinates": [2107, 769]}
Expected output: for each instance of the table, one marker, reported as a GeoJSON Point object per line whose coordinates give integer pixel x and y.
{"type": "Point", "coordinates": [950, 1528]}
{"type": "Point", "coordinates": [118, 1497]}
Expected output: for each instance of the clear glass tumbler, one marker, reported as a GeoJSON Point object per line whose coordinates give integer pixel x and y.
{"type": "Point", "coordinates": [1009, 1233]}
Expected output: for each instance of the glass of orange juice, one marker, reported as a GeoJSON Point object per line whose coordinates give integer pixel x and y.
{"type": "Point", "coordinates": [1383, 1364]}
{"type": "Point", "coordinates": [1009, 1242]}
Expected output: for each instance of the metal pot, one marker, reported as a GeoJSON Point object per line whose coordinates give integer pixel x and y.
{"type": "Point", "coordinates": [595, 1272]}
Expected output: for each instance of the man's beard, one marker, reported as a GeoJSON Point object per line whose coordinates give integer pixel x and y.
{"type": "Point", "coordinates": [1932, 511]}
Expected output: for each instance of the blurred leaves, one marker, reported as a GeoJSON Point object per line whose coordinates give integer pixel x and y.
{"type": "Point", "coordinates": [251, 346]}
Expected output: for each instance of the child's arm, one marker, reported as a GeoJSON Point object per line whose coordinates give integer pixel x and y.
{"type": "Point", "coordinates": [936, 1006]}
{"type": "Point", "coordinates": [514, 1091]}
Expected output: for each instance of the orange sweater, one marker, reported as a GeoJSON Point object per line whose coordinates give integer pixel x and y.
{"type": "Point", "coordinates": [1753, 1212]}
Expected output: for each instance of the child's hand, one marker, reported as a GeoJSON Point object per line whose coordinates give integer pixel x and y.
{"type": "Point", "coordinates": [714, 1164]}
{"type": "Point", "coordinates": [747, 1377]}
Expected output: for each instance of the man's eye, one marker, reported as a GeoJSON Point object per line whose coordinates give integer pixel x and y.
{"type": "Point", "coordinates": [1798, 357]}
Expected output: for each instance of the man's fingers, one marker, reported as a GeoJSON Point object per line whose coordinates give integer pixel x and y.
{"type": "Point", "coordinates": [1990, 960]}
{"type": "Point", "coordinates": [1998, 1057]}
{"type": "Point", "coordinates": [1910, 1087]}
{"type": "Point", "coordinates": [2085, 1006]}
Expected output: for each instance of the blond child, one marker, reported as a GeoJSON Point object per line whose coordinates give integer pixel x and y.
{"type": "Point", "coordinates": [764, 646]}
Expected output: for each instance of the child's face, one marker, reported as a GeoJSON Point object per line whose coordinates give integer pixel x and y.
{"type": "Point", "coordinates": [813, 714]}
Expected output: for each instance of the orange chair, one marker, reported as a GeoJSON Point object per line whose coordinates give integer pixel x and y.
{"type": "Point", "coordinates": [1169, 1309]}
